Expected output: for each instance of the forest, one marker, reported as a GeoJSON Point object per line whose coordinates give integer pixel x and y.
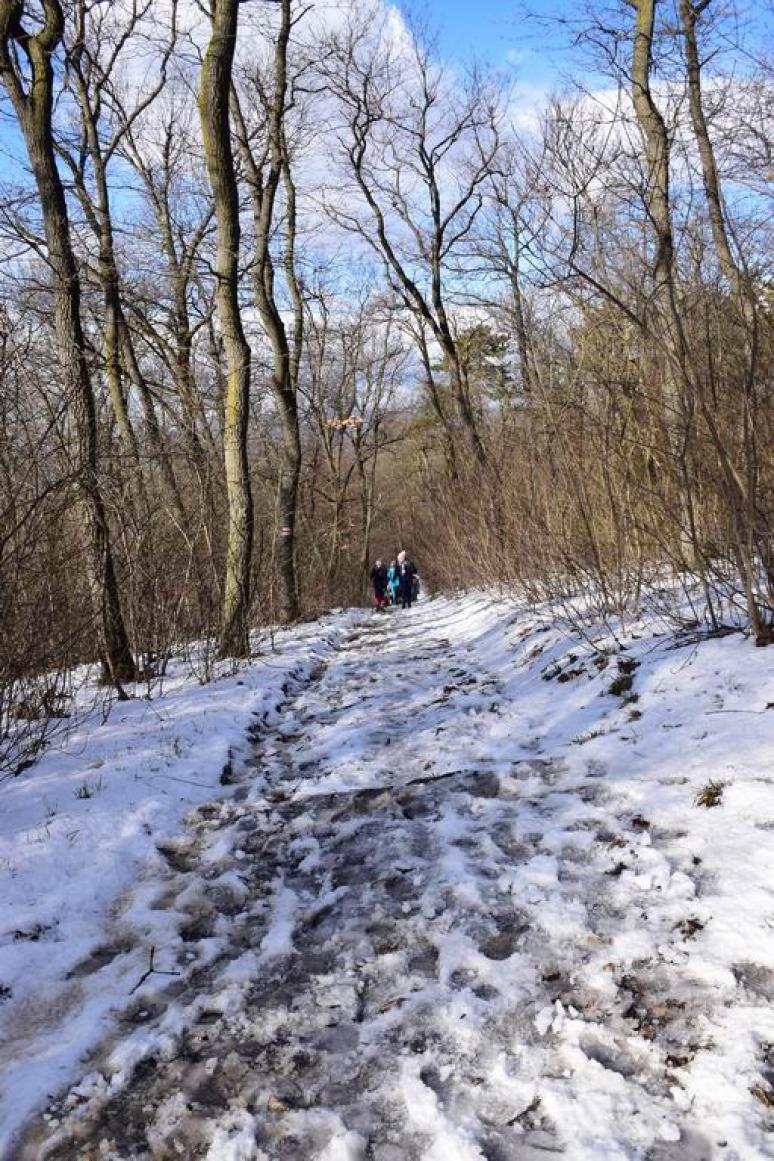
{"type": "Point", "coordinates": [283, 289]}
{"type": "Point", "coordinates": [288, 287]}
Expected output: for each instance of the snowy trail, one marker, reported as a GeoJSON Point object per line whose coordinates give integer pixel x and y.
{"type": "Point", "coordinates": [404, 941]}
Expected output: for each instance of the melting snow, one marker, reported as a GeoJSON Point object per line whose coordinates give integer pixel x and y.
{"type": "Point", "coordinates": [463, 902]}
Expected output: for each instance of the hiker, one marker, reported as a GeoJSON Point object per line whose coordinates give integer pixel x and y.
{"type": "Point", "coordinates": [407, 570]}
{"type": "Point", "coordinates": [393, 581]}
{"type": "Point", "coordinates": [379, 581]}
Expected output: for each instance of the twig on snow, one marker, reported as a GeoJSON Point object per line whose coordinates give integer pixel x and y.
{"type": "Point", "coordinates": [151, 971]}
{"type": "Point", "coordinates": [768, 706]}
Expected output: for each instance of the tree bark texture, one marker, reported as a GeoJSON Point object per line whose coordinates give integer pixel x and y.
{"type": "Point", "coordinates": [264, 184]}
{"type": "Point", "coordinates": [214, 93]}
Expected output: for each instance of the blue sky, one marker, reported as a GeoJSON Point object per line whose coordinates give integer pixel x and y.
{"type": "Point", "coordinates": [541, 51]}
{"type": "Point", "coordinates": [498, 32]}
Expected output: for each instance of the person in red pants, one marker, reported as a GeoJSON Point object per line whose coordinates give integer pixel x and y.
{"type": "Point", "coordinates": [379, 581]}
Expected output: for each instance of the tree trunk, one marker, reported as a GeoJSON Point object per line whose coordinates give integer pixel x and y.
{"type": "Point", "coordinates": [284, 379]}
{"type": "Point", "coordinates": [214, 90]}
{"type": "Point", "coordinates": [689, 15]}
{"type": "Point", "coordinates": [736, 495]}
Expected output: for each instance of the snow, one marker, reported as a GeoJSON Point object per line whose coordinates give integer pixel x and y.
{"type": "Point", "coordinates": [80, 876]}
{"type": "Point", "coordinates": [278, 940]}
{"type": "Point", "coordinates": [234, 1140]}
{"type": "Point", "coordinates": [463, 901]}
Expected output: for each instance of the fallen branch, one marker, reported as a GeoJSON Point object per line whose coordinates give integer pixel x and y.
{"type": "Point", "coordinates": [769, 706]}
{"type": "Point", "coordinates": [432, 778]}
{"type": "Point", "coordinates": [151, 971]}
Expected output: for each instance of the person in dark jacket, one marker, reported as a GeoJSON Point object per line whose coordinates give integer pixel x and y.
{"type": "Point", "coordinates": [379, 581]}
{"type": "Point", "coordinates": [407, 571]}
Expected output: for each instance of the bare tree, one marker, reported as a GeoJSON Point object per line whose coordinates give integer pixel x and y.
{"type": "Point", "coordinates": [738, 491]}
{"type": "Point", "coordinates": [33, 101]}
{"type": "Point", "coordinates": [214, 96]}
{"type": "Point", "coordinates": [93, 54]}
{"type": "Point", "coordinates": [419, 152]}
{"type": "Point", "coordinates": [742, 286]}
{"type": "Point", "coordinates": [181, 214]}
{"type": "Point", "coordinates": [267, 167]}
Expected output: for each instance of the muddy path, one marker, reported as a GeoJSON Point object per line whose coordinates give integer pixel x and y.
{"type": "Point", "coordinates": [375, 934]}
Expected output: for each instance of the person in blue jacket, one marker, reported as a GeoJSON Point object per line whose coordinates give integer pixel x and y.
{"type": "Point", "coordinates": [393, 581]}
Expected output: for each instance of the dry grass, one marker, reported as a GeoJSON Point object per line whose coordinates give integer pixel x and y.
{"type": "Point", "coordinates": [710, 795]}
